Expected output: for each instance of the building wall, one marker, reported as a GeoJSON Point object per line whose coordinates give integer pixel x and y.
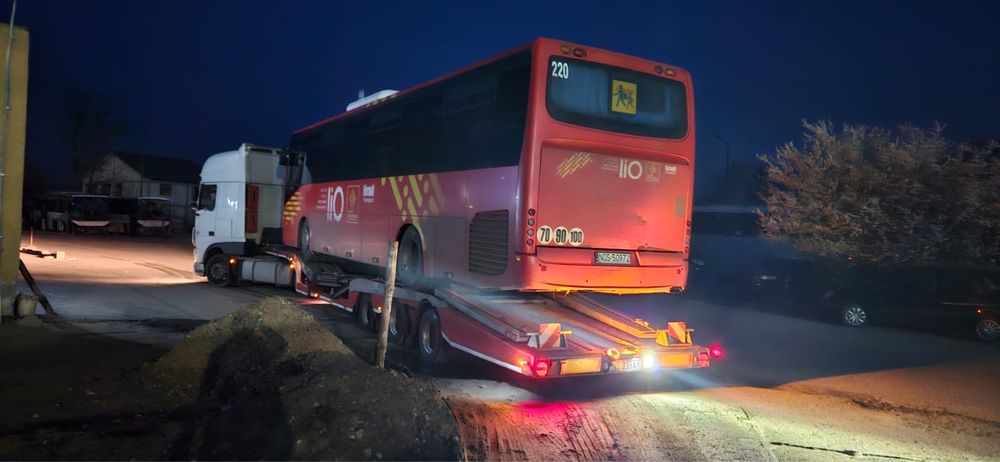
{"type": "Point", "coordinates": [13, 164]}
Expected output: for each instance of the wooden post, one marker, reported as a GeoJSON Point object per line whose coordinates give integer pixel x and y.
{"type": "Point", "coordinates": [390, 286]}
{"type": "Point", "coordinates": [38, 291]}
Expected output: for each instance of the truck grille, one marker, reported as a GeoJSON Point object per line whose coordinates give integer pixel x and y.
{"type": "Point", "coordinates": [488, 251]}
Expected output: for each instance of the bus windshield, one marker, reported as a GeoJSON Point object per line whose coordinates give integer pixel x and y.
{"type": "Point", "coordinates": [615, 99]}
{"type": "Point", "coordinates": [89, 207]}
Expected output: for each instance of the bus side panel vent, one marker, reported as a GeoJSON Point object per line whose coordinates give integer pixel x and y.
{"type": "Point", "coordinates": [488, 250]}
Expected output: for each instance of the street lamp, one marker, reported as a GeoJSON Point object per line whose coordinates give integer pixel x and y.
{"type": "Point", "coordinates": [716, 135]}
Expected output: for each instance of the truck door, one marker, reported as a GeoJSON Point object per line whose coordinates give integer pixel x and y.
{"type": "Point", "coordinates": [203, 234]}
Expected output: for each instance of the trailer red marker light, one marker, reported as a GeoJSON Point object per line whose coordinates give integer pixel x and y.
{"type": "Point", "coordinates": [540, 367]}
{"type": "Point", "coordinates": [716, 351]}
{"type": "Point", "coordinates": [579, 52]}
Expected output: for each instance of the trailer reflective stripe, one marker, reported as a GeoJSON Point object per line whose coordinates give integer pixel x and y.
{"type": "Point", "coordinates": [480, 355]}
{"type": "Point", "coordinates": [677, 330]}
{"type": "Point", "coordinates": [548, 335]}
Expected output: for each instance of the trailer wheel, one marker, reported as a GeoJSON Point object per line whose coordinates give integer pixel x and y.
{"type": "Point", "coordinates": [430, 343]}
{"type": "Point", "coordinates": [410, 259]}
{"type": "Point", "coordinates": [365, 312]}
{"type": "Point", "coordinates": [217, 270]}
{"type": "Point", "coordinates": [399, 325]}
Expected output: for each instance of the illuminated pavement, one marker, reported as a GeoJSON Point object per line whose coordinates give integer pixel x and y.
{"type": "Point", "coordinates": [788, 389]}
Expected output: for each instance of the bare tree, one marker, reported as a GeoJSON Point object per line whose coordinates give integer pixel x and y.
{"type": "Point", "coordinates": [885, 196]}
{"type": "Point", "coordinates": [96, 125]}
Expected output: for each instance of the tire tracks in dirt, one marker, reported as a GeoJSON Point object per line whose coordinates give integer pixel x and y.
{"type": "Point", "coordinates": [630, 427]}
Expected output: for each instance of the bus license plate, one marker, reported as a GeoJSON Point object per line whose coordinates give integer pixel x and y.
{"type": "Point", "coordinates": [627, 365]}
{"type": "Point", "coordinates": [612, 258]}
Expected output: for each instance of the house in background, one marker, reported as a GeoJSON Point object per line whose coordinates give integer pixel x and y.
{"type": "Point", "coordinates": [124, 174]}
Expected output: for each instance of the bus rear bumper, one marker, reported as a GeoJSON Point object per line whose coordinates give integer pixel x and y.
{"type": "Point", "coordinates": [541, 275]}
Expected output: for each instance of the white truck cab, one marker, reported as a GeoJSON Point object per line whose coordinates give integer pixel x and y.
{"type": "Point", "coordinates": [240, 202]}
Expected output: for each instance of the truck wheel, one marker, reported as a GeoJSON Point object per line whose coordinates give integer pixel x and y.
{"type": "Point", "coordinates": [217, 270]}
{"type": "Point", "coordinates": [410, 261]}
{"type": "Point", "coordinates": [365, 312]}
{"type": "Point", "coordinates": [430, 343]}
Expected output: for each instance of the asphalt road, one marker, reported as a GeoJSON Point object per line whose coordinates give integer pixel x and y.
{"type": "Point", "coordinates": [788, 388]}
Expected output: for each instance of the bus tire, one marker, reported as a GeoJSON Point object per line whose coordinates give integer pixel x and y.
{"type": "Point", "coordinates": [217, 270]}
{"type": "Point", "coordinates": [365, 313]}
{"type": "Point", "coordinates": [410, 258]}
{"type": "Point", "coordinates": [430, 342]}
{"type": "Point", "coordinates": [305, 237]}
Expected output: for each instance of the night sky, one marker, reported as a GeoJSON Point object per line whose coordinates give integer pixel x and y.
{"type": "Point", "coordinates": [193, 79]}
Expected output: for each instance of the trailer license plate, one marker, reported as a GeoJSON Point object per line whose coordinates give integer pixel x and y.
{"type": "Point", "coordinates": [627, 365]}
{"type": "Point", "coordinates": [612, 258]}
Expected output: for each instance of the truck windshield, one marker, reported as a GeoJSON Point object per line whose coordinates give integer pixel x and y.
{"type": "Point", "coordinates": [615, 99]}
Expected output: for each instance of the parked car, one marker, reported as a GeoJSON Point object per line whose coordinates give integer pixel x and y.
{"type": "Point", "coordinates": [939, 298]}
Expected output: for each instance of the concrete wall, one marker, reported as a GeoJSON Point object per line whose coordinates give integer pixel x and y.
{"type": "Point", "coordinates": [12, 153]}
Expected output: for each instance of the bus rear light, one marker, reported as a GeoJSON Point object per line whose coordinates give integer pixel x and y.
{"type": "Point", "coordinates": [531, 212]}
{"type": "Point", "coordinates": [686, 249]}
{"type": "Point", "coordinates": [670, 72]}
{"type": "Point", "coordinates": [530, 242]}
{"type": "Point", "coordinates": [565, 49]}
{"type": "Point", "coordinates": [531, 232]}
{"type": "Point", "coordinates": [658, 69]}
{"type": "Point", "coordinates": [579, 52]}
{"type": "Point", "coordinates": [613, 353]}
{"type": "Point", "coordinates": [703, 359]}
{"type": "Point", "coordinates": [531, 222]}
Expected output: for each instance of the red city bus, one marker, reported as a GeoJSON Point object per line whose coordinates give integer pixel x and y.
{"type": "Point", "coordinates": [552, 167]}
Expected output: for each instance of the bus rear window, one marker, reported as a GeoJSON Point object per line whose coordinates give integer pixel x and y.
{"type": "Point", "coordinates": [615, 99]}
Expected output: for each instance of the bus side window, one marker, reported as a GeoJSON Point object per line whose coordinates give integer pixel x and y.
{"type": "Point", "coordinates": [206, 197]}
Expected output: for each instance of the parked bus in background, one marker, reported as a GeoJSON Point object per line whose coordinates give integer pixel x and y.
{"type": "Point", "coordinates": [552, 167]}
{"type": "Point", "coordinates": [71, 212]}
{"type": "Point", "coordinates": [140, 215]}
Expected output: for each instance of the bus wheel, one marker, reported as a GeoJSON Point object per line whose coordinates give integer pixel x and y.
{"type": "Point", "coordinates": [305, 238]}
{"type": "Point", "coordinates": [410, 260]}
{"type": "Point", "coordinates": [399, 325]}
{"type": "Point", "coordinates": [430, 343]}
{"type": "Point", "coordinates": [365, 312]}
{"type": "Point", "coordinates": [217, 270]}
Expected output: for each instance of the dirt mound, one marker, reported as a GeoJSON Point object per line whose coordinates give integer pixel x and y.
{"type": "Point", "coordinates": [287, 388]}
{"type": "Point", "coordinates": [251, 340]}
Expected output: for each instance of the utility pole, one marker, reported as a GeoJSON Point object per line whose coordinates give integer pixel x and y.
{"type": "Point", "coordinates": [716, 135]}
